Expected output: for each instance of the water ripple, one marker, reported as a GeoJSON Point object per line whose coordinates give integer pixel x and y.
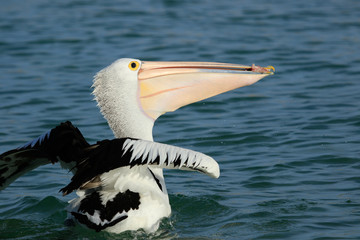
{"type": "Point", "coordinates": [288, 146]}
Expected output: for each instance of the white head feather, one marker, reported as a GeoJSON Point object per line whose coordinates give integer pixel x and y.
{"type": "Point", "coordinates": [117, 94]}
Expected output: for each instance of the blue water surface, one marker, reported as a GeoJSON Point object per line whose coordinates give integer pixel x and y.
{"type": "Point", "coordinates": [288, 146]}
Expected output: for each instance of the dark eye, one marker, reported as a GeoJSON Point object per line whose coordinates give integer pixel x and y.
{"type": "Point", "coordinates": [134, 65]}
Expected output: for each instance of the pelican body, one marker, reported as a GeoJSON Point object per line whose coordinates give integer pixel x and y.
{"type": "Point", "coordinates": [119, 183]}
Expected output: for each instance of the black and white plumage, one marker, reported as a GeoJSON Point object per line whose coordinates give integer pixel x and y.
{"type": "Point", "coordinates": [65, 144]}
{"type": "Point", "coordinates": [119, 183]}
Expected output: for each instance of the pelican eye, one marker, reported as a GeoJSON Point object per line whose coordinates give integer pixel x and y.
{"type": "Point", "coordinates": [134, 65]}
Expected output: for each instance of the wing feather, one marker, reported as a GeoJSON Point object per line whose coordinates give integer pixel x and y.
{"type": "Point", "coordinates": [64, 143]}
{"type": "Point", "coordinates": [116, 153]}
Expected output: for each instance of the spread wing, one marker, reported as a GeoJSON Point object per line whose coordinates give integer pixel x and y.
{"type": "Point", "coordinates": [66, 144]}
{"type": "Point", "coordinates": [111, 154]}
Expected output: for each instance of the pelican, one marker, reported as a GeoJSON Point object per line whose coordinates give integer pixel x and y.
{"type": "Point", "coordinates": [119, 183]}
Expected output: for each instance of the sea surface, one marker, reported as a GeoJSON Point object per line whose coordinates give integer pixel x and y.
{"type": "Point", "coordinates": [288, 146]}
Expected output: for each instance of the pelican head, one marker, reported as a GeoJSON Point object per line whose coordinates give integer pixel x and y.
{"type": "Point", "coordinates": [132, 94]}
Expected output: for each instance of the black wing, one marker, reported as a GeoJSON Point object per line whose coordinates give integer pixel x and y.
{"type": "Point", "coordinates": [64, 142]}
{"type": "Point", "coordinates": [111, 154]}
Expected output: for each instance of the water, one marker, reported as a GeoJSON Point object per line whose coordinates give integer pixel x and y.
{"type": "Point", "coordinates": [288, 146]}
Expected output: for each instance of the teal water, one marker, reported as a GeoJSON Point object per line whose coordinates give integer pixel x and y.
{"type": "Point", "coordinates": [288, 147]}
